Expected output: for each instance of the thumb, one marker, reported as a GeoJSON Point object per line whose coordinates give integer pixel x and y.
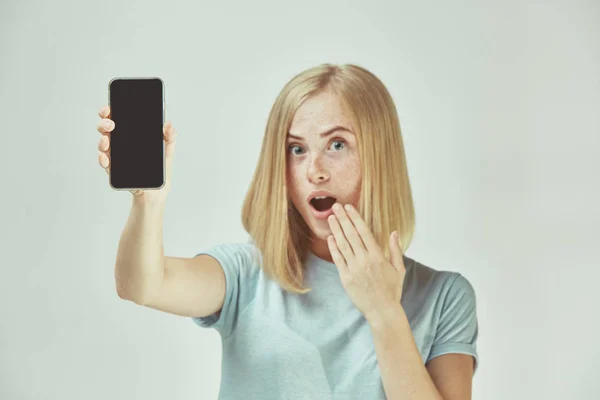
{"type": "Point", "coordinates": [395, 251]}
{"type": "Point", "coordinates": [169, 136]}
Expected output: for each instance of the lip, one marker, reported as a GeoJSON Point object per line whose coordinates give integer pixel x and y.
{"type": "Point", "coordinates": [320, 215]}
{"type": "Point", "coordinates": [319, 193]}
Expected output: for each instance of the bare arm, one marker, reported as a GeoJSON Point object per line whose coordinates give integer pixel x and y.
{"type": "Point", "coordinates": [140, 264]}
{"type": "Point", "coordinates": [192, 287]}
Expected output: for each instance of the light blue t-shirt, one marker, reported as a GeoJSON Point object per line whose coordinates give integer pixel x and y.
{"type": "Point", "coordinates": [278, 345]}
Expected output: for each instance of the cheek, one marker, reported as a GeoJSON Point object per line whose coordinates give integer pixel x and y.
{"type": "Point", "coordinates": [349, 174]}
{"type": "Point", "coordinates": [293, 182]}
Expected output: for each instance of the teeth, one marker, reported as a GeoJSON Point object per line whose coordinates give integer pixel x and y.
{"type": "Point", "coordinates": [321, 197]}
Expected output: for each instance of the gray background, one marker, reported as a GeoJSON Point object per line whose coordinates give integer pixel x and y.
{"type": "Point", "coordinates": [500, 109]}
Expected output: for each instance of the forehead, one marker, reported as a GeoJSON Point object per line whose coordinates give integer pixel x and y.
{"type": "Point", "coordinates": [319, 112]}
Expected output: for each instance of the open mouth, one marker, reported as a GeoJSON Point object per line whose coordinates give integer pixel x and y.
{"type": "Point", "coordinates": [322, 203]}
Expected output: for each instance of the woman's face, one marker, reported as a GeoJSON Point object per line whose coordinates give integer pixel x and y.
{"type": "Point", "coordinates": [319, 158]}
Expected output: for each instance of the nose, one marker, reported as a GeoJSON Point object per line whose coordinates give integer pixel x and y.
{"type": "Point", "coordinates": [317, 173]}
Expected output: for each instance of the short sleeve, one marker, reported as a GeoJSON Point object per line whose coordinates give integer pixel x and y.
{"type": "Point", "coordinates": [457, 329]}
{"type": "Point", "coordinates": [240, 266]}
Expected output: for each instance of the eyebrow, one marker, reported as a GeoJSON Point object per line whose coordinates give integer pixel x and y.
{"type": "Point", "coordinates": [323, 134]}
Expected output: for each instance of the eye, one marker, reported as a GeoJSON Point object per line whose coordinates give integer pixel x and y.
{"type": "Point", "coordinates": [339, 141]}
{"type": "Point", "coordinates": [291, 148]}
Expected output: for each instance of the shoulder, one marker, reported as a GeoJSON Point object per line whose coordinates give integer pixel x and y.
{"type": "Point", "coordinates": [426, 284]}
{"type": "Point", "coordinates": [236, 258]}
{"type": "Point", "coordinates": [240, 262]}
{"type": "Point", "coordinates": [423, 275]}
{"type": "Point", "coordinates": [446, 300]}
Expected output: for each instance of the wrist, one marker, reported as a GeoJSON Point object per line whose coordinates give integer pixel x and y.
{"type": "Point", "coordinates": [386, 316]}
{"type": "Point", "coordinates": [145, 203]}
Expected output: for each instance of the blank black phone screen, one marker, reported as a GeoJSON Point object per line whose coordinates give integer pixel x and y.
{"type": "Point", "coordinates": [136, 143]}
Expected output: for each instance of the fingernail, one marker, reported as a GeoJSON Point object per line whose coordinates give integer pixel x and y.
{"type": "Point", "coordinates": [108, 124]}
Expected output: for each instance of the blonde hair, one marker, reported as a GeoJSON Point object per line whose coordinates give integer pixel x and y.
{"type": "Point", "coordinates": [268, 215]}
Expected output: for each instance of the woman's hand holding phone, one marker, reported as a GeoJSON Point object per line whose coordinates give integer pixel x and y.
{"type": "Point", "coordinates": [106, 126]}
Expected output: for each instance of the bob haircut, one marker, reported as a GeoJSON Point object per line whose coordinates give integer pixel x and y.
{"type": "Point", "coordinates": [276, 227]}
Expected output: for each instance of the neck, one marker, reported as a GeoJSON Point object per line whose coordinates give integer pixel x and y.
{"type": "Point", "coordinates": [320, 248]}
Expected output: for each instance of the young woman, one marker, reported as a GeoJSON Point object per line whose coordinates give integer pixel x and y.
{"type": "Point", "coordinates": [322, 302]}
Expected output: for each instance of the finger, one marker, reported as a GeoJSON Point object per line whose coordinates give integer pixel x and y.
{"type": "Point", "coordinates": [366, 235]}
{"type": "Point", "coordinates": [349, 229]}
{"type": "Point", "coordinates": [103, 160]}
{"type": "Point", "coordinates": [340, 239]}
{"type": "Point", "coordinates": [170, 136]}
{"type": "Point", "coordinates": [337, 256]}
{"type": "Point", "coordinates": [104, 112]}
{"type": "Point", "coordinates": [395, 252]}
{"type": "Point", "coordinates": [104, 143]}
{"type": "Point", "coordinates": [168, 131]}
{"type": "Point", "coordinates": [105, 126]}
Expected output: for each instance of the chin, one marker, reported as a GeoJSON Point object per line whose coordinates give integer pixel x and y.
{"type": "Point", "coordinates": [321, 232]}
{"type": "Point", "coordinates": [319, 229]}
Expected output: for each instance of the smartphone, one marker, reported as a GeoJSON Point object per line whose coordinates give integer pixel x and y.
{"type": "Point", "coordinates": [137, 155]}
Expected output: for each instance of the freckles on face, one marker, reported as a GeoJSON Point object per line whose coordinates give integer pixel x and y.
{"type": "Point", "coordinates": [341, 170]}
{"type": "Point", "coordinates": [334, 157]}
{"type": "Point", "coordinates": [349, 178]}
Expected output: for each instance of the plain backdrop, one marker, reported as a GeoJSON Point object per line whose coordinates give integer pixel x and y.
{"type": "Point", "coordinates": [499, 104]}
